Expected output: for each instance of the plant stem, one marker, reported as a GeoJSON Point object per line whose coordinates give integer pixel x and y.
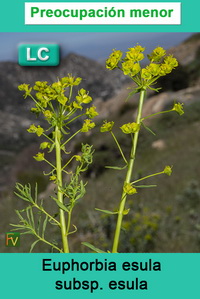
{"type": "Point", "coordinates": [60, 194]}
{"type": "Point", "coordinates": [128, 174]}
{"type": "Point", "coordinates": [148, 176]}
{"type": "Point", "coordinates": [71, 137]}
{"type": "Point", "coordinates": [119, 147]}
{"type": "Point", "coordinates": [157, 113]}
{"type": "Point", "coordinates": [69, 221]}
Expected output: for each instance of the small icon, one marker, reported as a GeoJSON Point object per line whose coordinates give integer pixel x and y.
{"type": "Point", "coordinates": [38, 54]}
{"type": "Point", "coordinates": [12, 239]}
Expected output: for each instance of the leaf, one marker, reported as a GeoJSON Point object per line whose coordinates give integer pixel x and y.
{"type": "Point", "coordinates": [51, 148]}
{"type": "Point", "coordinates": [106, 211]}
{"type": "Point", "coordinates": [36, 193]}
{"type": "Point", "coordinates": [61, 205]}
{"type": "Point", "coordinates": [33, 245]}
{"type": "Point", "coordinates": [145, 186]}
{"type": "Point", "coordinates": [44, 226]}
{"type": "Point", "coordinates": [116, 168]}
{"type": "Point", "coordinates": [148, 129]}
{"type": "Point", "coordinates": [22, 197]}
{"type": "Point", "coordinates": [136, 90]}
{"type": "Point", "coordinates": [93, 247]}
{"type": "Point", "coordinates": [125, 212]}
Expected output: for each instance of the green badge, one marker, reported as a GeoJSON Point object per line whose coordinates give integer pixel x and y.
{"type": "Point", "coordinates": [38, 54]}
{"type": "Point", "coordinates": [12, 239]}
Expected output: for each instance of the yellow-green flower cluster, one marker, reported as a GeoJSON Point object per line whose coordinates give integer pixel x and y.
{"type": "Point", "coordinates": [158, 70]}
{"type": "Point", "coordinates": [107, 126]}
{"type": "Point", "coordinates": [168, 65]}
{"type": "Point", "coordinates": [130, 128]}
{"type": "Point", "coordinates": [128, 67]}
{"type": "Point", "coordinates": [53, 178]}
{"type": "Point", "coordinates": [157, 54]}
{"type": "Point", "coordinates": [47, 92]}
{"type": "Point", "coordinates": [26, 88]}
{"type": "Point", "coordinates": [48, 114]}
{"type": "Point", "coordinates": [113, 60]}
{"type": "Point", "coordinates": [87, 125]}
{"type": "Point", "coordinates": [44, 145]}
{"type": "Point", "coordinates": [178, 107]}
{"type": "Point", "coordinates": [135, 54]}
{"type": "Point", "coordinates": [152, 70]}
{"type": "Point", "coordinates": [160, 64]}
{"type": "Point", "coordinates": [38, 130]}
{"type": "Point", "coordinates": [131, 65]}
{"type": "Point", "coordinates": [39, 157]}
{"type": "Point", "coordinates": [167, 170]}
{"type": "Point", "coordinates": [91, 112]}
{"type": "Point", "coordinates": [70, 81]}
{"type": "Point", "coordinates": [83, 97]}
{"type": "Point", "coordinates": [129, 189]}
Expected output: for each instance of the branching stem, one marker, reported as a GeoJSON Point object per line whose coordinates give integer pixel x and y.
{"type": "Point", "coordinates": [128, 174]}
{"type": "Point", "coordinates": [59, 192]}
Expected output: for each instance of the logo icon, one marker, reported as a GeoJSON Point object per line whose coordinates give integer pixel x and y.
{"type": "Point", "coordinates": [12, 239]}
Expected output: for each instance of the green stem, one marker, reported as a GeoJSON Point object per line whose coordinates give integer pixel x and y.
{"type": "Point", "coordinates": [60, 194]}
{"type": "Point", "coordinates": [148, 176]}
{"type": "Point", "coordinates": [119, 147]}
{"type": "Point", "coordinates": [68, 162]}
{"type": "Point", "coordinates": [36, 102]}
{"type": "Point", "coordinates": [47, 242]}
{"type": "Point", "coordinates": [128, 174]}
{"type": "Point", "coordinates": [74, 119]}
{"type": "Point", "coordinates": [161, 112]}
{"type": "Point", "coordinates": [46, 213]}
{"type": "Point", "coordinates": [69, 221]}
{"type": "Point", "coordinates": [47, 137]}
{"type": "Point", "coordinates": [71, 137]}
{"type": "Point", "coordinates": [50, 163]}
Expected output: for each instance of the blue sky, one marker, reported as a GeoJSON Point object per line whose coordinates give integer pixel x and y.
{"type": "Point", "coordinates": [95, 45]}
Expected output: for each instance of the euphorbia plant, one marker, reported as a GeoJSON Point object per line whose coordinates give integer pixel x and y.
{"type": "Point", "coordinates": [57, 105]}
{"type": "Point", "coordinates": [144, 78]}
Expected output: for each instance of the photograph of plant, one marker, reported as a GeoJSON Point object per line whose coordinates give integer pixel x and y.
{"type": "Point", "coordinates": [111, 156]}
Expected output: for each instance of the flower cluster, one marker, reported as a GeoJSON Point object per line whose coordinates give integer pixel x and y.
{"type": "Point", "coordinates": [87, 125]}
{"type": "Point", "coordinates": [91, 112]}
{"type": "Point", "coordinates": [107, 126]}
{"type": "Point", "coordinates": [38, 130]}
{"type": "Point", "coordinates": [167, 170]}
{"type": "Point", "coordinates": [113, 60]}
{"type": "Point", "coordinates": [157, 54]}
{"type": "Point", "coordinates": [178, 107]}
{"type": "Point", "coordinates": [39, 157]}
{"type": "Point", "coordinates": [130, 128]}
{"type": "Point", "coordinates": [129, 189]}
{"type": "Point", "coordinates": [160, 64]}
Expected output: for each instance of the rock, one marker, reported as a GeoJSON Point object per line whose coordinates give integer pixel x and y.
{"type": "Point", "coordinates": [159, 144]}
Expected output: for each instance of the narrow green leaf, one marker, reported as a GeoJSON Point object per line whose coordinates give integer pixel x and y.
{"type": "Point", "coordinates": [32, 217]}
{"type": "Point", "coordinates": [116, 168]}
{"type": "Point", "coordinates": [145, 186]}
{"type": "Point", "coordinates": [33, 245]}
{"type": "Point", "coordinates": [148, 129]}
{"type": "Point", "coordinates": [36, 193]}
{"type": "Point", "coordinates": [61, 206]}
{"type": "Point", "coordinates": [51, 148]}
{"type": "Point", "coordinates": [106, 211]}
{"type": "Point", "coordinates": [93, 247]}
{"type": "Point", "coordinates": [22, 197]}
{"type": "Point", "coordinates": [38, 222]}
{"type": "Point", "coordinates": [44, 226]}
{"type": "Point", "coordinates": [136, 90]}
